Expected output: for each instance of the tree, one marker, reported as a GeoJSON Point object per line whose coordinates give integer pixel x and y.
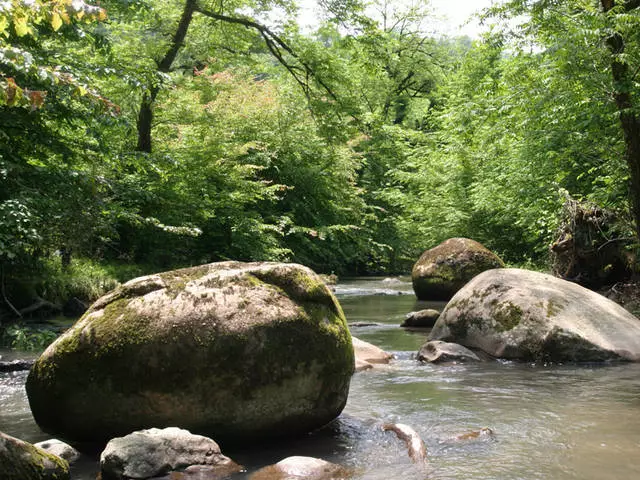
{"type": "Point", "coordinates": [607, 30]}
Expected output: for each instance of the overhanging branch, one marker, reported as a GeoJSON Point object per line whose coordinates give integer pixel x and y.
{"type": "Point", "coordinates": [301, 71]}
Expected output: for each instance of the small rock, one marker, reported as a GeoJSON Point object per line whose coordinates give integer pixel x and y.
{"type": "Point", "coordinates": [60, 449]}
{"type": "Point", "coordinates": [154, 452]}
{"type": "Point", "coordinates": [437, 351]}
{"type": "Point", "coordinates": [484, 433]}
{"type": "Point", "coordinates": [369, 353]}
{"type": "Point", "coordinates": [421, 318]}
{"type": "Point", "coordinates": [309, 468]}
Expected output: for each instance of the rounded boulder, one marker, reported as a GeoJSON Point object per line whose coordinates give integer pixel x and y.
{"type": "Point", "coordinates": [520, 314]}
{"type": "Point", "coordinates": [443, 270]}
{"type": "Point", "coordinates": [232, 350]}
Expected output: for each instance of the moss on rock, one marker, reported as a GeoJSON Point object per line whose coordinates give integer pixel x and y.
{"type": "Point", "coordinates": [443, 270]}
{"type": "Point", "coordinates": [230, 349]}
{"type": "Point", "coordinates": [20, 460]}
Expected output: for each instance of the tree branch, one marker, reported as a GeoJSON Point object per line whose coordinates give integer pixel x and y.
{"type": "Point", "coordinates": [178, 38]}
{"type": "Point", "coordinates": [277, 46]}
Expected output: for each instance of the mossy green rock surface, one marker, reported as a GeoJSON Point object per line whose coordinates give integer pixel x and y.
{"type": "Point", "coordinates": [443, 270]}
{"type": "Point", "coordinates": [22, 461]}
{"type": "Point", "coordinates": [237, 351]}
{"type": "Point", "coordinates": [520, 314]}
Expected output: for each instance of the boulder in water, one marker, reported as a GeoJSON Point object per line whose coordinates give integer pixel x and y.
{"type": "Point", "coordinates": [443, 270]}
{"type": "Point", "coordinates": [153, 452]}
{"type": "Point", "coordinates": [233, 350]}
{"type": "Point", "coordinates": [22, 461]}
{"type": "Point", "coordinates": [520, 314]}
{"type": "Point", "coordinates": [422, 318]}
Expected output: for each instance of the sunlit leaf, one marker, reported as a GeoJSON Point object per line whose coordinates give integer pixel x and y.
{"type": "Point", "coordinates": [21, 27]}
{"type": "Point", "coordinates": [56, 22]}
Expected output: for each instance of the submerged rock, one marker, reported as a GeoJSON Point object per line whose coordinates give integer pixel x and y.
{"type": "Point", "coordinates": [422, 318]}
{"type": "Point", "coordinates": [239, 351]}
{"type": "Point", "coordinates": [367, 355]}
{"type": "Point", "coordinates": [445, 269]}
{"type": "Point", "coordinates": [153, 452]}
{"type": "Point", "coordinates": [520, 314]}
{"type": "Point", "coordinates": [437, 351]}
{"type": "Point", "coordinates": [292, 468]}
{"type": "Point", "coordinates": [20, 460]}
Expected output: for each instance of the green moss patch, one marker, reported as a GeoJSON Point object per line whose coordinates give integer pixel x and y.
{"type": "Point", "coordinates": [507, 316]}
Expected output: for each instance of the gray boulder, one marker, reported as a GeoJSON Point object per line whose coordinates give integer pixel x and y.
{"type": "Point", "coordinates": [520, 314]}
{"type": "Point", "coordinates": [153, 452]}
{"type": "Point", "coordinates": [443, 270]}
{"type": "Point", "coordinates": [22, 461]}
{"type": "Point", "coordinates": [437, 351]}
{"type": "Point", "coordinates": [59, 449]}
{"type": "Point", "coordinates": [292, 468]}
{"type": "Point", "coordinates": [234, 350]}
{"type": "Point", "coordinates": [422, 318]}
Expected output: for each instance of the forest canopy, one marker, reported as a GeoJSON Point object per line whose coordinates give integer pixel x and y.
{"type": "Point", "coordinates": [142, 135]}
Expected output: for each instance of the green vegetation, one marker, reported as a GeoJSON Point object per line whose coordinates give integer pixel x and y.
{"type": "Point", "coordinates": [147, 135]}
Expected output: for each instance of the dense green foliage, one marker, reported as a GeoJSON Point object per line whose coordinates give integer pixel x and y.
{"type": "Point", "coordinates": [164, 133]}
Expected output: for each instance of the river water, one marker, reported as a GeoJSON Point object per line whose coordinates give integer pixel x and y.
{"type": "Point", "coordinates": [549, 421]}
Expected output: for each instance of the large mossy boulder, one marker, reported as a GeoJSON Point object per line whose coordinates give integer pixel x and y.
{"type": "Point", "coordinates": [237, 351]}
{"type": "Point", "coordinates": [520, 314]}
{"type": "Point", "coordinates": [443, 270]}
{"type": "Point", "coordinates": [20, 460]}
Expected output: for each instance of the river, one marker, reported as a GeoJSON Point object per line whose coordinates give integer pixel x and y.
{"type": "Point", "coordinates": [549, 421]}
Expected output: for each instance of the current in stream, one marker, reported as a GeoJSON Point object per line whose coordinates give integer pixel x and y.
{"type": "Point", "coordinates": [549, 421]}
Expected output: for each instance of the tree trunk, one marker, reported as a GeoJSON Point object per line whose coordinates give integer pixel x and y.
{"type": "Point", "coordinates": [145, 115]}
{"type": "Point", "coordinates": [629, 120]}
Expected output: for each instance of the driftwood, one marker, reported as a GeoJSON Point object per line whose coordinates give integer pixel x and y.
{"type": "Point", "coordinates": [415, 446]}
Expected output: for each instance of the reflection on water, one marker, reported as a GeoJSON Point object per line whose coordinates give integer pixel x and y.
{"type": "Point", "coordinates": [550, 422]}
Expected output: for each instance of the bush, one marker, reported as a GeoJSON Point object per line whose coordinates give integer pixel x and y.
{"type": "Point", "coordinates": [21, 337]}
